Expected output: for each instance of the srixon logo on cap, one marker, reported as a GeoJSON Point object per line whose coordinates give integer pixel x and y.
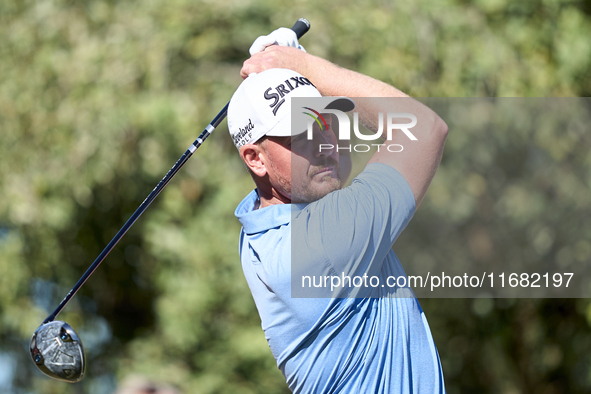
{"type": "Point", "coordinates": [277, 93]}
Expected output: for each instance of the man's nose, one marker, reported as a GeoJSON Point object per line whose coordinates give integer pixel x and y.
{"type": "Point", "coordinates": [326, 142]}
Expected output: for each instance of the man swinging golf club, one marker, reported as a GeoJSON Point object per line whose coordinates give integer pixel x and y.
{"type": "Point", "coordinates": [300, 221]}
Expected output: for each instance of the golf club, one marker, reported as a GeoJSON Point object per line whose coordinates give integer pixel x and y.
{"type": "Point", "coordinates": [55, 347]}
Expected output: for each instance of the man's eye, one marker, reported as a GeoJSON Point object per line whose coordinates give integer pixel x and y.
{"type": "Point", "coordinates": [298, 138]}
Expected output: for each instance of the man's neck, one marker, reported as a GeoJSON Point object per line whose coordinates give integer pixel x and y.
{"type": "Point", "coordinates": [267, 202]}
{"type": "Point", "coordinates": [273, 198]}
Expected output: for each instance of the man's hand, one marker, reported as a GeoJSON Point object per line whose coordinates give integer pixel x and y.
{"type": "Point", "coordinates": [276, 56]}
{"type": "Point", "coordinates": [283, 37]}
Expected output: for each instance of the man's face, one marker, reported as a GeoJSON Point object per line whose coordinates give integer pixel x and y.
{"type": "Point", "coordinates": [298, 169]}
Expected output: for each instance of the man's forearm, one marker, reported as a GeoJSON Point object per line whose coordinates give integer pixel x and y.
{"type": "Point", "coordinates": [333, 80]}
{"type": "Point", "coordinates": [329, 79]}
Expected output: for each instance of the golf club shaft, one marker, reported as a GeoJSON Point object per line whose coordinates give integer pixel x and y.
{"type": "Point", "coordinates": [300, 28]}
{"type": "Point", "coordinates": [143, 206]}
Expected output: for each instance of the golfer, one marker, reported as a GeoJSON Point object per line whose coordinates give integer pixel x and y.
{"type": "Point", "coordinates": [301, 221]}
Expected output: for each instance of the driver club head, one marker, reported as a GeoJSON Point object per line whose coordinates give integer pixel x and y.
{"type": "Point", "coordinates": [57, 351]}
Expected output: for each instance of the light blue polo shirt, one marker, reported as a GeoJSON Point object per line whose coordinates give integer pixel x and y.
{"type": "Point", "coordinates": [380, 343]}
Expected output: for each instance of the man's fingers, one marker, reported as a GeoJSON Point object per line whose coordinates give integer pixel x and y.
{"type": "Point", "coordinates": [273, 56]}
{"type": "Point", "coordinates": [257, 63]}
{"type": "Point", "coordinates": [249, 68]}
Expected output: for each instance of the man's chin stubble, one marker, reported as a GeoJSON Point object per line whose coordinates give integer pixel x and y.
{"type": "Point", "coordinates": [310, 195]}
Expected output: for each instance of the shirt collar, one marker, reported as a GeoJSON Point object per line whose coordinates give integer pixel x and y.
{"type": "Point", "coordinates": [263, 219]}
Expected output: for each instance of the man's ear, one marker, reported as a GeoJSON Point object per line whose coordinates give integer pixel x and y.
{"type": "Point", "coordinates": [254, 157]}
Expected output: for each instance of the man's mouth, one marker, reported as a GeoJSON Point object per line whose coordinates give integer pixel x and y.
{"type": "Point", "coordinates": [325, 171]}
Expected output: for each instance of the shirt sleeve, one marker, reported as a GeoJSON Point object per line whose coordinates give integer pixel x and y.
{"type": "Point", "coordinates": [350, 231]}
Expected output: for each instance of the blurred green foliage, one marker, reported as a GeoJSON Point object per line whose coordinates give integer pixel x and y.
{"type": "Point", "coordinates": [99, 98]}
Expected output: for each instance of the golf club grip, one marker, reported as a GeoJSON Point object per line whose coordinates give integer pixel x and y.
{"type": "Point", "coordinates": [301, 27]}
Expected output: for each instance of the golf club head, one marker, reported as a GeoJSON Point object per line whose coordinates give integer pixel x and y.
{"type": "Point", "coordinates": [57, 351]}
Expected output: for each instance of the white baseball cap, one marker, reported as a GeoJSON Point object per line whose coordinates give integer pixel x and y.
{"type": "Point", "coordinates": [262, 105]}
